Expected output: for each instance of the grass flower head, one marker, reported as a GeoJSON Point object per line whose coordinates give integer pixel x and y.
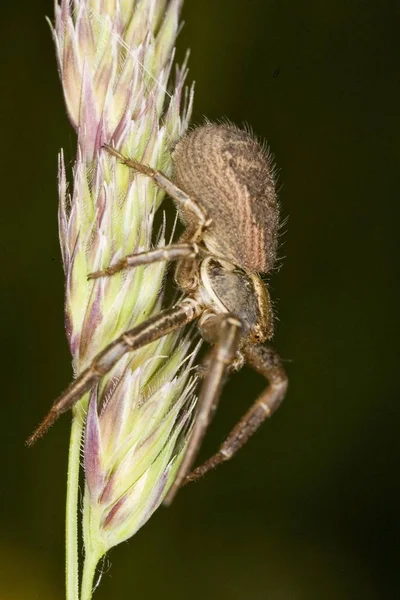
{"type": "Point", "coordinates": [115, 59]}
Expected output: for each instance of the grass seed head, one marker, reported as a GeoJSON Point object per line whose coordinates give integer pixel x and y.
{"type": "Point", "coordinates": [115, 60]}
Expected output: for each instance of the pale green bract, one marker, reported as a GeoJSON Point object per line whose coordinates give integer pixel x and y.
{"type": "Point", "coordinates": [115, 59]}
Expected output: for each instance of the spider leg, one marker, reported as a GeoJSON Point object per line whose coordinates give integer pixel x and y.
{"type": "Point", "coordinates": [167, 253]}
{"type": "Point", "coordinates": [154, 328]}
{"type": "Point", "coordinates": [264, 360]}
{"type": "Point", "coordinates": [221, 357]}
{"type": "Point", "coordinates": [198, 219]}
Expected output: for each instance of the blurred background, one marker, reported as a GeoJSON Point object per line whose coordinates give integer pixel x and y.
{"type": "Point", "coordinates": [310, 508]}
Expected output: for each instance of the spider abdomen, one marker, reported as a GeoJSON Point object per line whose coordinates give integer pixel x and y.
{"type": "Point", "coordinates": [232, 177]}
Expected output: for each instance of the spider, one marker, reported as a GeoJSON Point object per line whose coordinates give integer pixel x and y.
{"type": "Point", "coordinates": [224, 191]}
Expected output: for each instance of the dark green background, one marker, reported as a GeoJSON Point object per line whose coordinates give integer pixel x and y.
{"type": "Point", "coordinates": [309, 509]}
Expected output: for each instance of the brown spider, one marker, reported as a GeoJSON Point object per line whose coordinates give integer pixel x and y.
{"type": "Point", "coordinates": [225, 194]}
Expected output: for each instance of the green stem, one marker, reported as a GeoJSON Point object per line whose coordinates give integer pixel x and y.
{"type": "Point", "coordinates": [89, 570]}
{"type": "Point", "coordinates": [71, 522]}
{"type": "Point", "coordinates": [94, 548]}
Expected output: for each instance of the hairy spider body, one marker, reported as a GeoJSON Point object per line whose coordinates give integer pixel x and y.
{"type": "Point", "coordinates": [224, 191]}
{"type": "Point", "coordinates": [226, 171]}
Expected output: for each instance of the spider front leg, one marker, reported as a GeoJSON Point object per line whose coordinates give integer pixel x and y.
{"type": "Point", "coordinates": [167, 253]}
{"type": "Point", "coordinates": [264, 360]}
{"type": "Point", "coordinates": [153, 329]}
{"type": "Point", "coordinates": [198, 217]}
{"type": "Point", "coordinates": [184, 251]}
{"type": "Point", "coordinates": [221, 357]}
